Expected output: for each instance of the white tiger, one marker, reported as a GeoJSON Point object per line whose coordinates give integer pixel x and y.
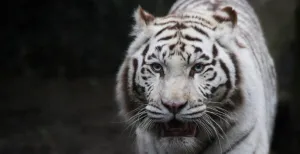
{"type": "Point", "coordinates": [199, 80]}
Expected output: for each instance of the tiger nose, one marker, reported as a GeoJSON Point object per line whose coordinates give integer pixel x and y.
{"type": "Point", "coordinates": [174, 107]}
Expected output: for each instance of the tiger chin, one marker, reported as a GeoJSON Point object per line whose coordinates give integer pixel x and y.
{"type": "Point", "coordinates": [199, 80]}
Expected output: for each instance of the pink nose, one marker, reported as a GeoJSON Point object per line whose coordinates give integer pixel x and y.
{"type": "Point", "coordinates": [174, 107]}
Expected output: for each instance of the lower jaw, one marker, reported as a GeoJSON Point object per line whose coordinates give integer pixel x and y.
{"type": "Point", "coordinates": [179, 145]}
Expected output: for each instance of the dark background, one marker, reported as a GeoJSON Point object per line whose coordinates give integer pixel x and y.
{"type": "Point", "coordinates": [58, 61]}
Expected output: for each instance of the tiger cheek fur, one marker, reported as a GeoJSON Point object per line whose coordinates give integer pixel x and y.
{"type": "Point", "coordinates": [188, 81]}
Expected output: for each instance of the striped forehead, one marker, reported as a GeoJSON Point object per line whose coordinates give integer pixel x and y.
{"type": "Point", "coordinates": [171, 52]}
{"type": "Point", "coordinates": [204, 20]}
{"type": "Point", "coordinates": [185, 33]}
{"type": "Point", "coordinates": [183, 27]}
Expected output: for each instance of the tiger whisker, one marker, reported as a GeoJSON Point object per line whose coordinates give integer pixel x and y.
{"type": "Point", "coordinates": [217, 111]}
{"type": "Point", "coordinates": [221, 129]}
{"type": "Point", "coordinates": [214, 129]}
{"type": "Point", "coordinates": [215, 114]}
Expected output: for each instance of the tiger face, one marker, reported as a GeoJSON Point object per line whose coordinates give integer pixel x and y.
{"type": "Point", "coordinates": [179, 75]}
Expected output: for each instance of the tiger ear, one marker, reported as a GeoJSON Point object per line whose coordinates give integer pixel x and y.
{"type": "Point", "coordinates": [142, 20]}
{"type": "Point", "coordinates": [227, 19]}
{"type": "Point", "coordinates": [226, 15]}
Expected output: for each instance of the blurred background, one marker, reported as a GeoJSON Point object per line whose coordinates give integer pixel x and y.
{"type": "Point", "coordinates": [58, 61]}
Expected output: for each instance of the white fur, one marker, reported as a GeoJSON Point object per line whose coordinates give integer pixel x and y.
{"type": "Point", "coordinates": [258, 82]}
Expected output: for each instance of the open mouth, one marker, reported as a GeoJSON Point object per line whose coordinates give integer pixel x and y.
{"type": "Point", "coordinates": [175, 128]}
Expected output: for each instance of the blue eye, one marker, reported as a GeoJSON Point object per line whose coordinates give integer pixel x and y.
{"type": "Point", "coordinates": [156, 67]}
{"type": "Point", "coordinates": [197, 68]}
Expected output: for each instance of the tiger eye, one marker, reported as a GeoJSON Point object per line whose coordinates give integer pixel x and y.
{"type": "Point", "coordinates": [156, 67]}
{"type": "Point", "coordinates": [197, 68]}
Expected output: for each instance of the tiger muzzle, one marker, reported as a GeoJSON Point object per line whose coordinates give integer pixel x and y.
{"type": "Point", "coordinates": [176, 128]}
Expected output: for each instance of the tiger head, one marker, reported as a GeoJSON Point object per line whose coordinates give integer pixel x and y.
{"type": "Point", "coordinates": [180, 74]}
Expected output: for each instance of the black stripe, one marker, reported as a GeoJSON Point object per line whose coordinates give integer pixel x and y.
{"type": "Point", "coordinates": [214, 62]}
{"type": "Point", "coordinates": [209, 69]}
{"type": "Point", "coordinates": [145, 50]}
{"type": "Point", "coordinates": [179, 26]}
{"type": "Point", "coordinates": [142, 44]}
{"type": "Point", "coordinates": [145, 53]}
{"type": "Point", "coordinates": [199, 23]}
{"type": "Point", "coordinates": [235, 144]}
{"type": "Point", "coordinates": [135, 86]}
{"type": "Point", "coordinates": [228, 82]}
{"type": "Point", "coordinates": [158, 48]}
{"type": "Point", "coordinates": [176, 26]}
{"type": "Point", "coordinates": [145, 77]}
{"type": "Point", "coordinates": [215, 51]}
{"type": "Point", "coordinates": [143, 70]}
{"type": "Point", "coordinates": [193, 22]}
{"type": "Point", "coordinates": [149, 71]}
{"type": "Point", "coordinates": [159, 32]}
{"type": "Point", "coordinates": [237, 69]}
{"type": "Point", "coordinates": [172, 54]}
{"type": "Point", "coordinates": [213, 77]}
{"type": "Point", "coordinates": [204, 94]}
{"type": "Point", "coordinates": [142, 117]}
{"type": "Point", "coordinates": [189, 58]}
{"type": "Point", "coordinates": [149, 88]}
{"type": "Point", "coordinates": [152, 56]}
{"type": "Point", "coordinates": [181, 55]}
{"type": "Point", "coordinates": [237, 96]}
{"type": "Point", "coordinates": [199, 18]}
{"type": "Point", "coordinates": [171, 47]}
{"type": "Point", "coordinates": [201, 31]}
{"type": "Point", "coordinates": [165, 38]}
{"type": "Point", "coordinates": [203, 56]}
{"type": "Point", "coordinates": [190, 38]}
{"type": "Point", "coordinates": [164, 55]}
{"type": "Point", "coordinates": [197, 49]}
{"type": "Point", "coordinates": [182, 47]}
{"type": "Point", "coordinates": [135, 65]}
{"type": "Point", "coordinates": [141, 89]}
